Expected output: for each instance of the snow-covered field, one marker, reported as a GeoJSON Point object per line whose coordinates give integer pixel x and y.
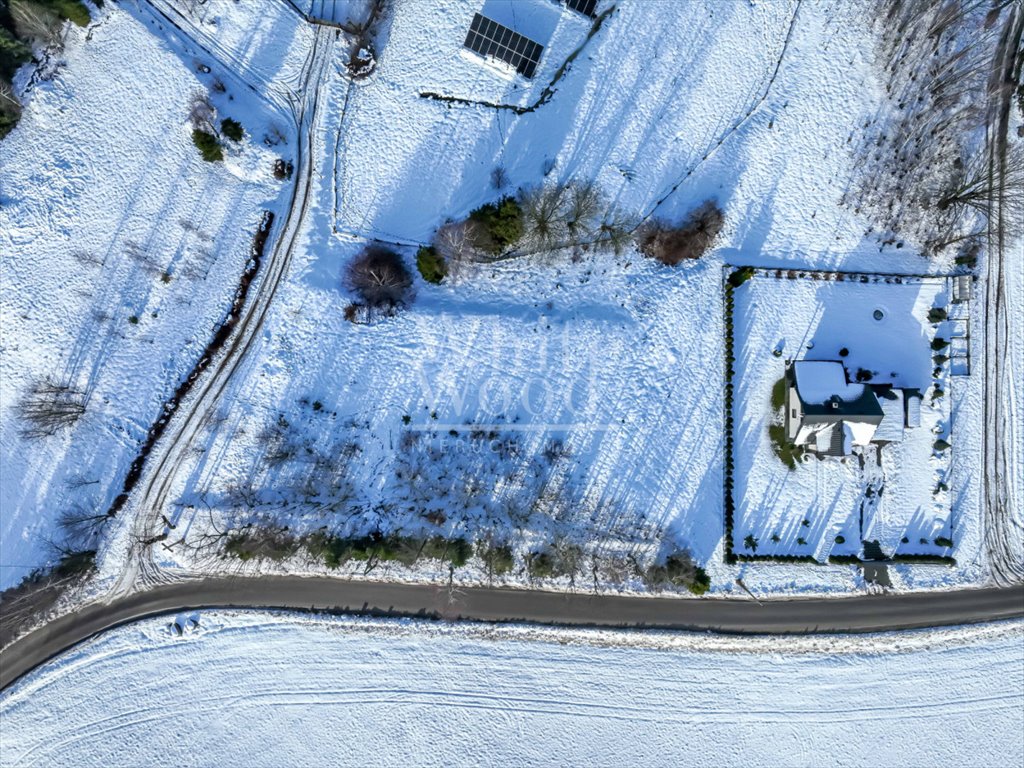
{"type": "Point", "coordinates": [249, 689]}
{"type": "Point", "coordinates": [899, 502]}
{"type": "Point", "coordinates": [539, 402]}
{"type": "Point", "coordinates": [120, 252]}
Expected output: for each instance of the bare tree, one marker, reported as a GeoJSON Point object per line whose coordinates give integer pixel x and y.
{"type": "Point", "coordinates": [544, 220]}
{"type": "Point", "coordinates": [454, 242]}
{"type": "Point", "coordinates": [50, 406]}
{"type": "Point", "coordinates": [201, 113]}
{"type": "Point", "coordinates": [499, 178]}
{"type": "Point", "coordinates": [976, 186]}
{"type": "Point", "coordinates": [938, 57]}
{"type": "Point", "coordinates": [9, 104]}
{"type": "Point", "coordinates": [379, 277]}
{"type": "Point", "coordinates": [82, 527]}
{"type": "Point", "coordinates": [37, 22]}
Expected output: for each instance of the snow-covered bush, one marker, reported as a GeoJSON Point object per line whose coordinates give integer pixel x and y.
{"type": "Point", "coordinates": [679, 570]}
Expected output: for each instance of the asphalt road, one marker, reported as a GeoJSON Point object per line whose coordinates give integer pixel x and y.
{"type": "Point", "coordinates": [744, 616]}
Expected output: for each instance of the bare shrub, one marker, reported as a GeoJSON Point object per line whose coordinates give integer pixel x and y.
{"type": "Point", "coordinates": [88, 258]}
{"type": "Point", "coordinates": [689, 240]}
{"type": "Point", "coordinates": [499, 178]}
{"type": "Point", "coordinates": [379, 277]}
{"type": "Point", "coordinates": [201, 114]}
{"type": "Point", "coordinates": [37, 22]}
{"type": "Point", "coordinates": [50, 406]}
{"type": "Point", "coordinates": [362, 59]}
{"type": "Point", "coordinates": [454, 242]}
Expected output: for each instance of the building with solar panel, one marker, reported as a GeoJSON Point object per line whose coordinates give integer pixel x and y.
{"type": "Point", "coordinates": [515, 32]}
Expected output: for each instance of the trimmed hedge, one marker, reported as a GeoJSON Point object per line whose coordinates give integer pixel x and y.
{"type": "Point", "coordinates": [500, 225]}
{"type": "Point", "coordinates": [431, 264]}
{"type": "Point", "coordinates": [897, 558]}
{"type": "Point", "coordinates": [776, 559]}
{"type": "Point", "coordinates": [232, 129]}
{"type": "Point", "coordinates": [740, 276]}
{"type": "Point", "coordinates": [208, 146]}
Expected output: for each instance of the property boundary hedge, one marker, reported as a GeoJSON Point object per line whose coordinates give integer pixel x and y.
{"type": "Point", "coordinates": [734, 276]}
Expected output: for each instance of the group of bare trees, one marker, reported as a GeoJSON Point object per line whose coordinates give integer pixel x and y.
{"type": "Point", "coordinates": [571, 219]}
{"type": "Point", "coordinates": [362, 59]}
{"type": "Point", "coordinates": [924, 176]}
{"type": "Point", "coordinates": [50, 406]}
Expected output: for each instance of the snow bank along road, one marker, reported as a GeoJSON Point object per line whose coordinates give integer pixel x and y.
{"type": "Point", "coordinates": [847, 614]}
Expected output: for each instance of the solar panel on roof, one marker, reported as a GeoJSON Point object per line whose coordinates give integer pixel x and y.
{"type": "Point", "coordinates": [586, 7]}
{"type": "Point", "coordinates": [489, 38]}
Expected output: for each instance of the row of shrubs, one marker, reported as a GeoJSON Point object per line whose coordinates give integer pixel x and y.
{"type": "Point", "coordinates": [729, 304]}
{"type": "Point", "coordinates": [572, 216]}
{"type": "Point", "coordinates": [23, 25]}
{"type": "Point", "coordinates": [335, 551]}
{"type": "Point", "coordinates": [677, 570]}
{"type": "Point", "coordinates": [744, 558]}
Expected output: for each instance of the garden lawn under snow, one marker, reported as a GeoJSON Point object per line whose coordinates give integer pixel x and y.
{"type": "Point", "coordinates": [271, 689]}
{"type": "Point", "coordinates": [546, 403]}
{"type": "Point", "coordinates": [900, 500]}
{"type": "Point", "coordinates": [120, 252]}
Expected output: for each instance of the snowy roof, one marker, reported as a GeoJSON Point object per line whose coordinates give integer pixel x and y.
{"type": "Point", "coordinates": [891, 428]}
{"type": "Point", "coordinates": [818, 381]}
{"type": "Point", "coordinates": [858, 433]}
{"type": "Point", "coordinates": [913, 400]}
{"type": "Point", "coordinates": [824, 392]}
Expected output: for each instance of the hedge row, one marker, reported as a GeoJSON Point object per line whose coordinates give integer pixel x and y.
{"type": "Point", "coordinates": [776, 559]}
{"type": "Point", "coordinates": [335, 551]}
{"type": "Point", "coordinates": [730, 359]}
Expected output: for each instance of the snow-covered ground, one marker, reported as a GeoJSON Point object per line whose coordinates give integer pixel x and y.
{"type": "Point", "coordinates": [539, 401]}
{"type": "Point", "coordinates": [120, 252]}
{"type": "Point", "coordinates": [250, 689]}
{"type": "Point", "coordinates": [546, 402]}
{"type": "Point", "coordinates": [780, 316]}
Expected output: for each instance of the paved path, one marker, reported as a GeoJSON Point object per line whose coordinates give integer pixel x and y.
{"type": "Point", "coordinates": [797, 616]}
